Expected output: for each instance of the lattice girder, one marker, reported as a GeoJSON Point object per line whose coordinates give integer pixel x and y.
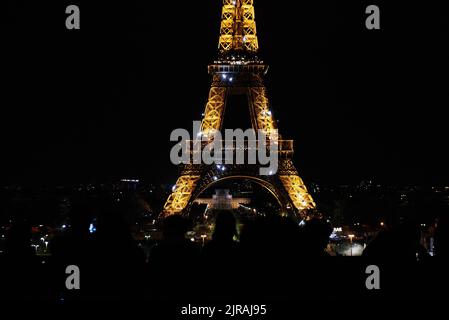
{"type": "Point", "coordinates": [248, 12]}
{"type": "Point", "coordinates": [261, 107]}
{"type": "Point", "coordinates": [238, 27]}
{"type": "Point", "coordinates": [213, 116]}
{"type": "Point", "coordinates": [297, 191]}
{"type": "Point", "coordinates": [227, 28]}
{"type": "Point", "coordinates": [179, 198]}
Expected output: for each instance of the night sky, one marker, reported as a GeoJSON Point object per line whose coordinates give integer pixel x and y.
{"type": "Point", "coordinates": [99, 103]}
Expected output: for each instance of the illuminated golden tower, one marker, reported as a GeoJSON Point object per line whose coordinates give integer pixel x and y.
{"type": "Point", "coordinates": [240, 71]}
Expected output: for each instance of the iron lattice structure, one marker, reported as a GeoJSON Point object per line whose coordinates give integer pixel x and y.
{"type": "Point", "coordinates": [238, 27]}
{"type": "Point", "coordinates": [239, 71]}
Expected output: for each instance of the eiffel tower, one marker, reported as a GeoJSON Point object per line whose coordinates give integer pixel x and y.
{"type": "Point", "coordinates": [237, 71]}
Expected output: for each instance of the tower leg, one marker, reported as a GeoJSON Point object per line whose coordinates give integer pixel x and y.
{"type": "Point", "coordinates": [213, 116]}
{"type": "Point", "coordinates": [261, 114]}
{"type": "Point", "coordinates": [291, 181]}
{"type": "Point", "coordinates": [213, 119]}
{"type": "Point", "coordinates": [297, 192]}
{"type": "Point", "coordinates": [180, 197]}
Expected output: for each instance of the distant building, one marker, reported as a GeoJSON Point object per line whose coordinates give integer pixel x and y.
{"type": "Point", "coordinates": [222, 200]}
{"type": "Point", "coordinates": [128, 184]}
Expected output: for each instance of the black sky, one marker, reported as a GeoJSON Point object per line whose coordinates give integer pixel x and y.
{"type": "Point", "coordinates": [100, 103]}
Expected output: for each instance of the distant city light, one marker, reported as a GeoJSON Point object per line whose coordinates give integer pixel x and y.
{"type": "Point", "coordinates": [92, 228]}
{"type": "Point", "coordinates": [130, 180]}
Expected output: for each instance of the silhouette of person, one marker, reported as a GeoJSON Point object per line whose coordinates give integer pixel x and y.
{"type": "Point", "coordinates": [438, 279]}
{"type": "Point", "coordinates": [173, 261]}
{"type": "Point", "coordinates": [221, 255]}
{"type": "Point", "coordinates": [316, 233]}
{"type": "Point", "coordinates": [223, 248]}
{"type": "Point", "coordinates": [268, 246]}
{"type": "Point", "coordinates": [400, 243]}
{"type": "Point", "coordinates": [18, 242]}
{"type": "Point", "coordinates": [71, 248]}
{"type": "Point", "coordinates": [398, 252]}
{"type": "Point", "coordinates": [115, 264]}
{"type": "Point", "coordinates": [21, 269]}
{"type": "Point", "coordinates": [442, 237]}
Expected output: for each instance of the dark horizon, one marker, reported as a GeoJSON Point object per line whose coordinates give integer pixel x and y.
{"type": "Point", "coordinates": [98, 104]}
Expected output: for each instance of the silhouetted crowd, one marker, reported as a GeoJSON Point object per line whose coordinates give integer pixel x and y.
{"type": "Point", "coordinates": [274, 258]}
